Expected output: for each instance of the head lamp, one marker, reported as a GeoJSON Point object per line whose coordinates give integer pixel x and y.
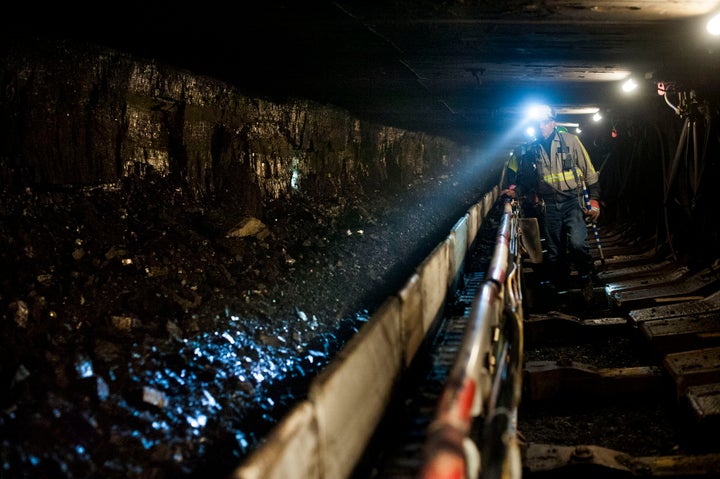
{"type": "Point", "coordinates": [542, 113]}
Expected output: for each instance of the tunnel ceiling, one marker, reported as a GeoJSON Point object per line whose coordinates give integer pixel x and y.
{"type": "Point", "coordinates": [464, 69]}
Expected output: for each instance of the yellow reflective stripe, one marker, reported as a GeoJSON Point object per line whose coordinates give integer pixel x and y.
{"type": "Point", "coordinates": [563, 176]}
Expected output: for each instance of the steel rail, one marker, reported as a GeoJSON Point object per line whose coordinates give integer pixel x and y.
{"type": "Point", "coordinates": [474, 432]}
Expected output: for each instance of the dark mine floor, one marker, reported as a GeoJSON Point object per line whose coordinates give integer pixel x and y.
{"type": "Point", "coordinates": [143, 336]}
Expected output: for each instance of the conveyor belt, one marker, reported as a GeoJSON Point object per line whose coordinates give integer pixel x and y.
{"type": "Point", "coordinates": [628, 380]}
{"type": "Point", "coordinates": [397, 447]}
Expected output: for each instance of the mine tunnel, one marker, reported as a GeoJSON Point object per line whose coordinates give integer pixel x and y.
{"type": "Point", "coordinates": [228, 250]}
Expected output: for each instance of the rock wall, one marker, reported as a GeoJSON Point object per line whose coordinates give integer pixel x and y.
{"type": "Point", "coordinates": [83, 115]}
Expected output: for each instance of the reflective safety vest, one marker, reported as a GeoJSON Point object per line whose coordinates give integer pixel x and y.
{"type": "Point", "coordinates": [555, 170]}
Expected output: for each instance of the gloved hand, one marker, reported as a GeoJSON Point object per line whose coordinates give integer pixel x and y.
{"type": "Point", "coordinates": [509, 192]}
{"type": "Point", "coordinates": [594, 212]}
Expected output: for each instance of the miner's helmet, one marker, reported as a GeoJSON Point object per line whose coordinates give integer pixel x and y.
{"type": "Point", "coordinates": [544, 113]}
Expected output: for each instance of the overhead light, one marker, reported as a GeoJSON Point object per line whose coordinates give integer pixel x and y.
{"type": "Point", "coordinates": [629, 85]}
{"type": "Point", "coordinates": [579, 110]}
{"type": "Point", "coordinates": [713, 25]}
{"type": "Point", "coordinates": [597, 117]}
